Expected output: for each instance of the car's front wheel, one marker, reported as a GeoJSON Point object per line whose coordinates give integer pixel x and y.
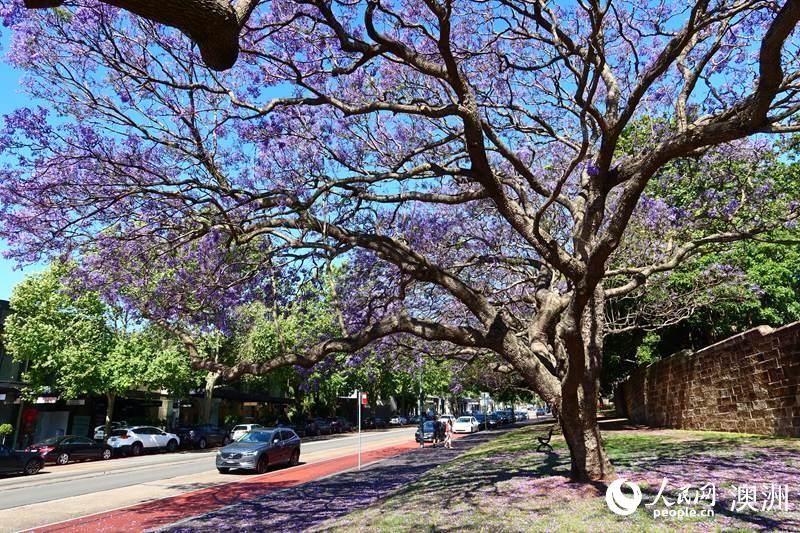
{"type": "Point", "coordinates": [172, 445]}
{"type": "Point", "coordinates": [295, 459]}
{"type": "Point", "coordinates": [107, 454]}
{"type": "Point", "coordinates": [62, 458]}
{"type": "Point", "coordinates": [136, 449]}
{"type": "Point", "coordinates": [32, 467]}
{"type": "Point", "coordinates": [263, 465]}
{"type": "Point", "coordinates": [223, 470]}
{"type": "Point", "coordinates": [203, 444]}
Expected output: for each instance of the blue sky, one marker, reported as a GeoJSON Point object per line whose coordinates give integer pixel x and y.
{"type": "Point", "coordinates": [12, 98]}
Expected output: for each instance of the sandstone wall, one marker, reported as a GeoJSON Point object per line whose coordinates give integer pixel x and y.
{"type": "Point", "coordinates": [747, 383]}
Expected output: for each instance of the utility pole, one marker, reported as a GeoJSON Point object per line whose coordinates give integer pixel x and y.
{"type": "Point", "coordinates": [419, 411]}
{"type": "Point", "coordinates": [358, 402]}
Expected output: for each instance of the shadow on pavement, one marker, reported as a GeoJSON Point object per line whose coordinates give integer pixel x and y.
{"type": "Point", "coordinates": [302, 507]}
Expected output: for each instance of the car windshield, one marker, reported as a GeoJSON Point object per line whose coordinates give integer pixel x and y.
{"type": "Point", "coordinates": [463, 419]}
{"type": "Point", "coordinates": [428, 426]}
{"type": "Point", "coordinates": [255, 436]}
{"type": "Point", "coordinates": [240, 428]}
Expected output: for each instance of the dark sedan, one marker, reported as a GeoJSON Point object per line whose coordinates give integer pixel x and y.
{"type": "Point", "coordinates": [260, 449]}
{"type": "Point", "coordinates": [202, 436]}
{"type": "Point", "coordinates": [325, 426]}
{"type": "Point", "coordinates": [374, 422]}
{"type": "Point", "coordinates": [340, 424]}
{"type": "Point", "coordinates": [16, 461]}
{"type": "Point", "coordinates": [62, 450]}
{"type": "Point", "coordinates": [428, 431]}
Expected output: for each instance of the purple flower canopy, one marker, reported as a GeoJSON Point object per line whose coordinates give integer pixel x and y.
{"type": "Point", "coordinates": [477, 179]}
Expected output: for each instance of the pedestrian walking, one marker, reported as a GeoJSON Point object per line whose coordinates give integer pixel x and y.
{"type": "Point", "coordinates": [448, 435]}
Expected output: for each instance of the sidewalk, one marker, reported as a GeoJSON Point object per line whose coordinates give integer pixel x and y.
{"type": "Point", "coordinates": [306, 506]}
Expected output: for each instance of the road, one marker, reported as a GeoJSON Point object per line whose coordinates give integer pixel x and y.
{"type": "Point", "coordinates": [64, 492]}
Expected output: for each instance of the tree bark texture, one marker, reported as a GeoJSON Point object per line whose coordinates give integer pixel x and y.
{"type": "Point", "coordinates": [212, 24]}
{"type": "Point", "coordinates": [111, 400]}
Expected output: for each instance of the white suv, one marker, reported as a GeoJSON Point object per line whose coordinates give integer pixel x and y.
{"type": "Point", "coordinates": [446, 418]}
{"type": "Point", "coordinates": [100, 431]}
{"type": "Point", "coordinates": [241, 429]}
{"type": "Point", "coordinates": [136, 440]}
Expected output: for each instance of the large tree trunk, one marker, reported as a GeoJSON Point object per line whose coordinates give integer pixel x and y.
{"type": "Point", "coordinates": [111, 399]}
{"type": "Point", "coordinates": [208, 397]}
{"type": "Point", "coordinates": [578, 417]}
{"type": "Point", "coordinates": [577, 412]}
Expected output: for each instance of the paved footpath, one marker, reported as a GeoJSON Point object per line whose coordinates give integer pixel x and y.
{"type": "Point", "coordinates": [303, 507]}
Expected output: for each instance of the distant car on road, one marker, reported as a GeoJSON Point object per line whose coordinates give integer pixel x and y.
{"type": "Point", "coordinates": [466, 424]}
{"type": "Point", "coordinates": [540, 412]}
{"type": "Point", "coordinates": [398, 420]}
{"type": "Point", "coordinates": [16, 461]}
{"type": "Point", "coordinates": [374, 422]}
{"type": "Point", "coordinates": [136, 440]}
{"type": "Point", "coordinates": [62, 450]}
{"type": "Point", "coordinates": [259, 449]}
{"type": "Point", "coordinates": [521, 415]}
{"type": "Point", "coordinates": [340, 424]}
{"type": "Point", "coordinates": [100, 431]}
{"type": "Point", "coordinates": [241, 429]}
{"type": "Point", "coordinates": [446, 418]}
{"type": "Point", "coordinates": [202, 436]}
{"type": "Point", "coordinates": [324, 425]}
{"type": "Point", "coordinates": [308, 428]}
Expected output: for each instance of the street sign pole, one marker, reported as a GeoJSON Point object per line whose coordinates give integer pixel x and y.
{"type": "Point", "coordinates": [358, 401]}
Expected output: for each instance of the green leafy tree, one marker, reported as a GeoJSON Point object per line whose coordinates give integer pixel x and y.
{"type": "Point", "coordinates": [74, 349]}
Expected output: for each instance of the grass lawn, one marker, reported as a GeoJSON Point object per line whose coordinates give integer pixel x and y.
{"type": "Point", "coordinates": [505, 485]}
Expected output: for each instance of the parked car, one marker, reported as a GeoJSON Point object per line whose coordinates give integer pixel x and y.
{"type": "Point", "coordinates": [540, 412]}
{"type": "Point", "coordinates": [482, 420]}
{"type": "Point", "coordinates": [374, 422]}
{"type": "Point", "coordinates": [100, 431]}
{"type": "Point", "coordinates": [324, 425]}
{"type": "Point", "coordinates": [340, 424]}
{"type": "Point", "coordinates": [241, 429]}
{"type": "Point", "coordinates": [17, 461]}
{"type": "Point", "coordinates": [398, 420]}
{"type": "Point", "coordinates": [202, 436]}
{"type": "Point", "coordinates": [259, 449]}
{"type": "Point", "coordinates": [136, 440]}
{"type": "Point", "coordinates": [62, 450]}
{"type": "Point", "coordinates": [297, 428]}
{"type": "Point", "coordinates": [445, 418]}
{"type": "Point", "coordinates": [416, 419]}
{"type": "Point", "coordinates": [428, 429]}
{"type": "Point", "coordinates": [521, 415]}
{"type": "Point", "coordinates": [494, 420]}
{"type": "Point", "coordinates": [307, 427]}
{"type": "Point", "coordinates": [466, 424]}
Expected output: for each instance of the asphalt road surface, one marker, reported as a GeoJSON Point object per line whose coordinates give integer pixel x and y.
{"type": "Point", "coordinates": [64, 492]}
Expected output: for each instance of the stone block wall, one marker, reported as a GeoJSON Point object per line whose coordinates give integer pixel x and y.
{"type": "Point", "coordinates": [748, 383]}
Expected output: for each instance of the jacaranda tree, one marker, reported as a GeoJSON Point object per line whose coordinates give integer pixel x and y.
{"type": "Point", "coordinates": [474, 164]}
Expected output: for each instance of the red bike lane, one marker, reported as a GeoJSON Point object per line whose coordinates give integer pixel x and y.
{"type": "Point", "coordinates": [160, 513]}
